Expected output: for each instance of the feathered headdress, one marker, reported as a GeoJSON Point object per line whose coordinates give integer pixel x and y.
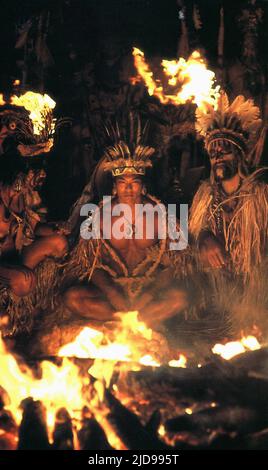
{"type": "Point", "coordinates": [238, 123]}
{"type": "Point", "coordinates": [127, 154]}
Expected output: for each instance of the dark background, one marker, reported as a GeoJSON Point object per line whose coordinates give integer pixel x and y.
{"type": "Point", "coordinates": [152, 25]}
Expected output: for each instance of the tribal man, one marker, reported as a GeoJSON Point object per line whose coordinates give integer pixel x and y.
{"type": "Point", "coordinates": [229, 214]}
{"type": "Point", "coordinates": [135, 271]}
{"type": "Point", "coordinates": [25, 240]}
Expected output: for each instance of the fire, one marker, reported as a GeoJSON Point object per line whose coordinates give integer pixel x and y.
{"type": "Point", "coordinates": [233, 348]}
{"type": "Point", "coordinates": [181, 362]}
{"type": "Point", "coordinates": [2, 101]}
{"type": "Point", "coordinates": [129, 341]}
{"type": "Point", "coordinates": [59, 386]}
{"type": "Point", "coordinates": [148, 360]}
{"type": "Point", "coordinates": [40, 107]}
{"type": "Point", "coordinates": [16, 82]}
{"type": "Point", "coordinates": [183, 80]}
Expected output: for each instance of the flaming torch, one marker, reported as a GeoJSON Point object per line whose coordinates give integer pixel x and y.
{"type": "Point", "coordinates": [181, 81]}
{"type": "Point", "coordinates": [41, 112]}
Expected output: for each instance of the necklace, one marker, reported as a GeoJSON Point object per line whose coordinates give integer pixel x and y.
{"type": "Point", "coordinates": [130, 228]}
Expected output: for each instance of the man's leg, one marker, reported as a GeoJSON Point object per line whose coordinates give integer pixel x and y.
{"type": "Point", "coordinates": [54, 246]}
{"type": "Point", "coordinates": [88, 302]}
{"type": "Point", "coordinates": [19, 279]}
{"type": "Point", "coordinates": [171, 302]}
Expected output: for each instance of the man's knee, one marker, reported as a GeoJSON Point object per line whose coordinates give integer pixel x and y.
{"type": "Point", "coordinates": [179, 297]}
{"type": "Point", "coordinates": [22, 282]}
{"type": "Point", "coordinates": [59, 245]}
{"type": "Point", "coordinates": [70, 298]}
{"type": "Point", "coordinates": [74, 296]}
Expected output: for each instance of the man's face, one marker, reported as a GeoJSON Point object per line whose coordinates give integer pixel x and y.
{"type": "Point", "coordinates": [129, 188]}
{"type": "Point", "coordinates": [224, 163]}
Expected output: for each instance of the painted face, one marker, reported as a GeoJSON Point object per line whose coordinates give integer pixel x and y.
{"type": "Point", "coordinates": [223, 160]}
{"type": "Point", "coordinates": [128, 188]}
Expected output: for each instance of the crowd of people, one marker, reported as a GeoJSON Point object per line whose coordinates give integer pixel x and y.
{"type": "Point", "coordinates": [62, 270]}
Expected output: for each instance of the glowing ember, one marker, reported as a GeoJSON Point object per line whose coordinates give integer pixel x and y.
{"type": "Point", "coordinates": [161, 430]}
{"type": "Point", "coordinates": [233, 348]}
{"type": "Point", "coordinates": [59, 386]}
{"type": "Point", "coordinates": [40, 107]}
{"type": "Point", "coordinates": [186, 80]}
{"type": "Point", "coordinates": [181, 362]}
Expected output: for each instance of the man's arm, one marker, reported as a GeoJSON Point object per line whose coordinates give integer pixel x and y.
{"type": "Point", "coordinates": [105, 283]}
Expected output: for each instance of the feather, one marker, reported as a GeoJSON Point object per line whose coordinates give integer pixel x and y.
{"type": "Point", "coordinates": [223, 103]}
{"type": "Point", "coordinates": [139, 133]}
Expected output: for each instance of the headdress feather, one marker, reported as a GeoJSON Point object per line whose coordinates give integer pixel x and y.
{"type": "Point", "coordinates": [128, 154]}
{"type": "Point", "coordinates": [238, 122]}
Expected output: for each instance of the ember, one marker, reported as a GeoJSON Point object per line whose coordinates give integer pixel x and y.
{"type": "Point", "coordinates": [231, 349]}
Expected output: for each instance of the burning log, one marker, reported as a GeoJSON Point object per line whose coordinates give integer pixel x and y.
{"type": "Point", "coordinates": [92, 436]}
{"type": "Point", "coordinates": [253, 361]}
{"type": "Point", "coordinates": [129, 428]}
{"type": "Point", "coordinates": [63, 438]}
{"type": "Point", "coordinates": [33, 430]}
{"type": "Point", "coordinates": [4, 398]}
{"type": "Point", "coordinates": [8, 431]}
{"type": "Point", "coordinates": [153, 424]}
{"type": "Point", "coordinates": [229, 418]}
{"type": "Point", "coordinates": [201, 384]}
{"type": "Point", "coordinates": [217, 381]}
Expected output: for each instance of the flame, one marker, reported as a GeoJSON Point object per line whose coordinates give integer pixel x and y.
{"type": "Point", "coordinates": [130, 342]}
{"type": "Point", "coordinates": [119, 345]}
{"type": "Point", "coordinates": [233, 348]}
{"type": "Point", "coordinates": [2, 101]}
{"type": "Point", "coordinates": [59, 386]}
{"type": "Point", "coordinates": [161, 430]}
{"type": "Point", "coordinates": [186, 80]}
{"type": "Point", "coordinates": [16, 82]}
{"type": "Point", "coordinates": [40, 107]}
{"type": "Point", "coordinates": [181, 362]}
{"type": "Point", "coordinates": [148, 360]}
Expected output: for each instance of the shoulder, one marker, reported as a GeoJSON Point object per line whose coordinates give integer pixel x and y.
{"type": "Point", "coordinates": [205, 186]}
{"type": "Point", "coordinates": [203, 194]}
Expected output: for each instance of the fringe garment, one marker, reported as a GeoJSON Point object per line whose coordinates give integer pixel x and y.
{"type": "Point", "coordinates": [241, 288]}
{"type": "Point", "coordinates": [93, 254]}
{"type": "Point", "coordinates": [23, 310]}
